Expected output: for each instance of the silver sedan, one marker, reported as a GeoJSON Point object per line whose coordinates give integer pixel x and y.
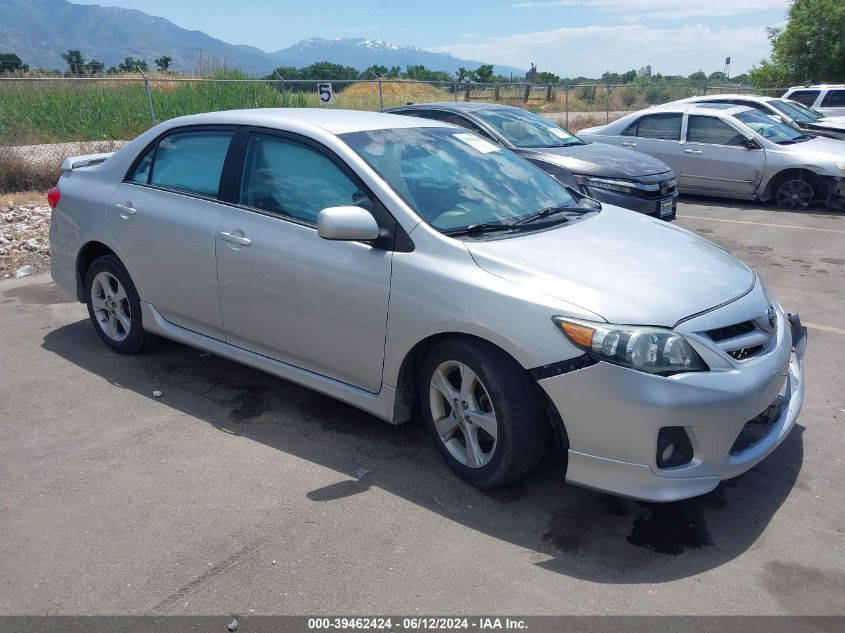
{"type": "Point", "coordinates": [399, 264]}
{"type": "Point", "coordinates": [735, 152]}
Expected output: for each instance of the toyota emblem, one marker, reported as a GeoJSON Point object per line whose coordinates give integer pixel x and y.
{"type": "Point", "coordinates": [771, 316]}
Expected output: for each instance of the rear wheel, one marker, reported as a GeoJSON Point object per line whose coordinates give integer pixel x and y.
{"type": "Point", "coordinates": [482, 412]}
{"type": "Point", "coordinates": [114, 306]}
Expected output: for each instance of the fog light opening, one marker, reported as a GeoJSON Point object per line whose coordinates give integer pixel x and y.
{"type": "Point", "coordinates": [673, 447]}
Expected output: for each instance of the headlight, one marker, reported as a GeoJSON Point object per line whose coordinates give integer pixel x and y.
{"type": "Point", "coordinates": [648, 349]}
{"type": "Point", "coordinates": [605, 183]}
{"type": "Point", "coordinates": [841, 167]}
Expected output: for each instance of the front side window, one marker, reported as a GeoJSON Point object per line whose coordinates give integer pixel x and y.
{"type": "Point", "coordinates": [834, 99]}
{"type": "Point", "coordinates": [454, 179]}
{"type": "Point", "coordinates": [807, 97]}
{"type": "Point", "coordinates": [712, 131]}
{"type": "Point", "coordinates": [526, 129]}
{"type": "Point", "coordinates": [295, 180]}
{"type": "Point", "coordinates": [189, 161]}
{"type": "Point", "coordinates": [666, 127]}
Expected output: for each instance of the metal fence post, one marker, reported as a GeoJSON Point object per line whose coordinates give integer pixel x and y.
{"type": "Point", "coordinates": [149, 96]}
{"type": "Point", "coordinates": [466, 91]}
{"type": "Point", "coordinates": [566, 104]}
{"type": "Point", "coordinates": [607, 106]}
{"type": "Point", "coordinates": [455, 91]}
{"type": "Point", "coordinates": [380, 96]}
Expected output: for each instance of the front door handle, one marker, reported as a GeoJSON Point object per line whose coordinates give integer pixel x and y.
{"type": "Point", "coordinates": [693, 151]}
{"type": "Point", "coordinates": [232, 238]}
{"type": "Point", "coordinates": [629, 144]}
{"type": "Point", "coordinates": [125, 210]}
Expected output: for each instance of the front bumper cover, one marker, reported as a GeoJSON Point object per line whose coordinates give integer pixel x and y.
{"type": "Point", "coordinates": [613, 416]}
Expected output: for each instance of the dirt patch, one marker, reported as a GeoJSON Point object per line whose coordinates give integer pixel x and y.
{"type": "Point", "coordinates": [24, 233]}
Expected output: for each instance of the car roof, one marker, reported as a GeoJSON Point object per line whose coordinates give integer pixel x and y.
{"type": "Point", "coordinates": [334, 121]}
{"type": "Point", "coordinates": [718, 98]}
{"type": "Point", "coordinates": [726, 108]}
{"type": "Point", "coordinates": [462, 106]}
{"type": "Point", "coordinates": [817, 86]}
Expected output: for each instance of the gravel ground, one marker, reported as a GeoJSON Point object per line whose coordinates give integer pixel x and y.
{"type": "Point", "coordinates": [24, 229]}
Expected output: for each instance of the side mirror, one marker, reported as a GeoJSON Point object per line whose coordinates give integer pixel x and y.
{"type": "Point", "coordinates": [348, 224]}
{"type": "Point", "coordinates": [750, 143]}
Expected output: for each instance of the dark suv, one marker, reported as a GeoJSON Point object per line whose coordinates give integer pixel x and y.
{"type": "Point", "coordinates": [615, 175]}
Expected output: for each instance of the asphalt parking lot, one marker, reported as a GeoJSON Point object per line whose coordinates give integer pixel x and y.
{"type": "Point", "coordinates": [235, 492]}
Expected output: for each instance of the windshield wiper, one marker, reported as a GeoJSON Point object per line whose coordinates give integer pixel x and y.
{"type": "Point", "coordinates": [477, 229]}
{"type": "Point", "coordinates": [542, 214]}
{"type": "Point", "coordinates": [797, 139]}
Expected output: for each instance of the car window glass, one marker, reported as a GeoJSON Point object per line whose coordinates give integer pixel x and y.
{"type": "Point", "coordinates": [713, 131]}
{"type": "Point", "coordinates": [794, 112]}
{"type": "Point", "coordinates": [453, 178]}
{"type": "Point", "coordinates": [526, 129]}
{"type": "Point", "coordinates": [141, 173]}
{"type": "Point", "coordinates": [456, 119]}
{"type": "Point", "coordinates": [807, 97]}
{"type": "Point", "coordinates": [191, 161]}
{"type": "Point", "coordinates": [834, 99]}
{"type": "Point", "coordinates": [666, 126]}
{"type": "Point", "coordinates": [770, 128]}
{"type": "Point", "coordinates": [295, 180]}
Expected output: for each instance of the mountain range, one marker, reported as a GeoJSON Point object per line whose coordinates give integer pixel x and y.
{"type": "Point", "coordinates": [109, 34]}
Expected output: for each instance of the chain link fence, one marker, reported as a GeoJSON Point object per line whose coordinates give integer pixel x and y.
{"type": "Point", "coordinates": [54, 110]}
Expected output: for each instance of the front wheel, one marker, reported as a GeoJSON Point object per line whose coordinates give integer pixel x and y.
{"type": "Point", "coordinates": [794, 194]}
{"type": "Point", "coordinates": [482, 411]}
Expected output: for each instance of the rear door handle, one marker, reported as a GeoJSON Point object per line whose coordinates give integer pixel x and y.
{"type": "Point", "coordinates": [240, 240]}
{"type": "Point", "coordinates": [629, 144]}
{"type": "Point", "coordinates": [125, 209]}
{"type": "Point", "coordinates": [693, 151]}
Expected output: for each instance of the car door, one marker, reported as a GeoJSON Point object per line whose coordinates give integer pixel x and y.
{"type": "Point", "coordinates": [715, 159]}
{"type": "Point", "coordinates": [657, 135]}
{"type": "Point", "coordinates": [164, 218]}
{"type": "Point", "coordinates": [285, 292]}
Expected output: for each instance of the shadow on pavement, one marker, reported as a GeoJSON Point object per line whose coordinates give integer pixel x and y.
{"type": "Point", "coordinates": [567, 530]}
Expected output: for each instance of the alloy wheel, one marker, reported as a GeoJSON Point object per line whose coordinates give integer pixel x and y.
{"type": "Point", "coordinates": [463, 414]}
{"type": "Point", "coordinates": [795, 194]}
{"type": "Point", "coordinates": [111, 306]}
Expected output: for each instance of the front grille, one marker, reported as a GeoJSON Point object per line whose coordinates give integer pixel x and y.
{"type": "Point", "coordinates": [722, 333]}
{"type": "Point", "coordinates": [663, 189]}
{"type": "Point", "coordinates": [758, 428]}
{"type": "Point", "coordinates": [742, 341]}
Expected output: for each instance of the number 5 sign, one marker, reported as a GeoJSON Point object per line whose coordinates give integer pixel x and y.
{"type": "Point", "coordinates": [324, 92]}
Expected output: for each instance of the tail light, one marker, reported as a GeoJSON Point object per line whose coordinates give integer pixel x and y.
{"type": "Point", "coordinates": [53, 197]}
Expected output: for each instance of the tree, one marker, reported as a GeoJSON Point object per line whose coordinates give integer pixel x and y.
{"type": "Point", "coordinates": [92, 67]}
{"type": "Point", "coordinates": [698, 76]}
{"type": "Point", "coordinates": [130, 64]}
{"type": "Point", "coordinates": [811, 47]}
{"type": "Point", "coordinates": [483, 74]}
{"type": "Point", "coordinates": [375, 69]}
{"type": "Point", "coordinates": [629, 76]}
{"type": "Point", "coordinates": [163, 63]}
{"type": "Point", "coordinates": [9, 62]}
{"type": "Point", "coordinates": [462, 74]}
{"type": "Point", "coordinates": [75, 62]}
{"type": "Point", "coordinates": [546, 77]}
{"type": "Point", "coordinates": [717, 76]}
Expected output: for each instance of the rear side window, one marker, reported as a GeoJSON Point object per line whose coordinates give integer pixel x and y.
{"type": "Point", "coordinates": [186, 161]}
{"type": "Point", "coordinates": [713, 131]}
{"type": "Point", "coordinates": [666, 127]}
{"type": "Point", "coordinates": [455, 119]}
{"type": "Point", "coordinates": [295, 180]}
{"type": "Point", "coordinates": [807, 97]}
{"type": "Point", "coordinates": [834, 99]}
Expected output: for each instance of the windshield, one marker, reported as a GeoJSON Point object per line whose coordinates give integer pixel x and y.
{"type": "Point", "coordinates": [526, 129]}
{"type": "Point", "coordinates": [802, 114]}
{"type": "Point", "coordinates": [455, 179]}
{"type": "Point", "coordinates": [810, 112]}
{"type": "Point", "coordinates": [770, 128]}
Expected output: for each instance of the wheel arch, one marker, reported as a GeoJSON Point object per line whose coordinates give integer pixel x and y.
{"type": "Point", "coordinates": [791, 173]}
{"type": "Point", "coordinates": [86, 256]}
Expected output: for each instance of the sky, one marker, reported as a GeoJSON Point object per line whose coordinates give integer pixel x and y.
{"type": "Point", "coordinates": [567, 37]}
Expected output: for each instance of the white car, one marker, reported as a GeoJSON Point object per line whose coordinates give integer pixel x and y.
{"type": "Point", "coordinates": [829, 99]}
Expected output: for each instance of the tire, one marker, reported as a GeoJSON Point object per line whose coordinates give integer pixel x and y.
{"type": "Point", "coordinates": [796, 193]}
{"type": "Point", "coordinates": [114, 306]}
{"type": "Point", "coordinates": [498, 412]}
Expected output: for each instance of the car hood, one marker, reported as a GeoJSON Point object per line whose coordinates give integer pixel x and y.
{"type": "Point", "coordinates": [818, 148]}
{"type": "Point", "coordinates": [598, 159]}
{"type": "Point", "coordinates": [626, 267]}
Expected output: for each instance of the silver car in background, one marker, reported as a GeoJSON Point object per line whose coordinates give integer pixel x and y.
{"type": "Point", "coordinates": [396, 264]}
{"type": "Point", "coordinates": [796, 114]}
{"type": "Point", "coordinates": [735, 152]}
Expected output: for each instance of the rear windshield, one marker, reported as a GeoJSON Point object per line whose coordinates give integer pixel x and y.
{"type": "Point", "coordinates": [454, 178]}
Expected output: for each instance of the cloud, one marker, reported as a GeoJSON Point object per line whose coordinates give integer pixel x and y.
{"type": "Point", "coordinates": [666, 9]}
{"type": "Point", "coordinates": [591, 50]}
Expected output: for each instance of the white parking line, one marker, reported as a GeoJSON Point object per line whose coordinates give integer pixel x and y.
{"type": "Point", "coordinates": [780, 226]}
{"type": "Point", "coordinates": [823, 328]}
